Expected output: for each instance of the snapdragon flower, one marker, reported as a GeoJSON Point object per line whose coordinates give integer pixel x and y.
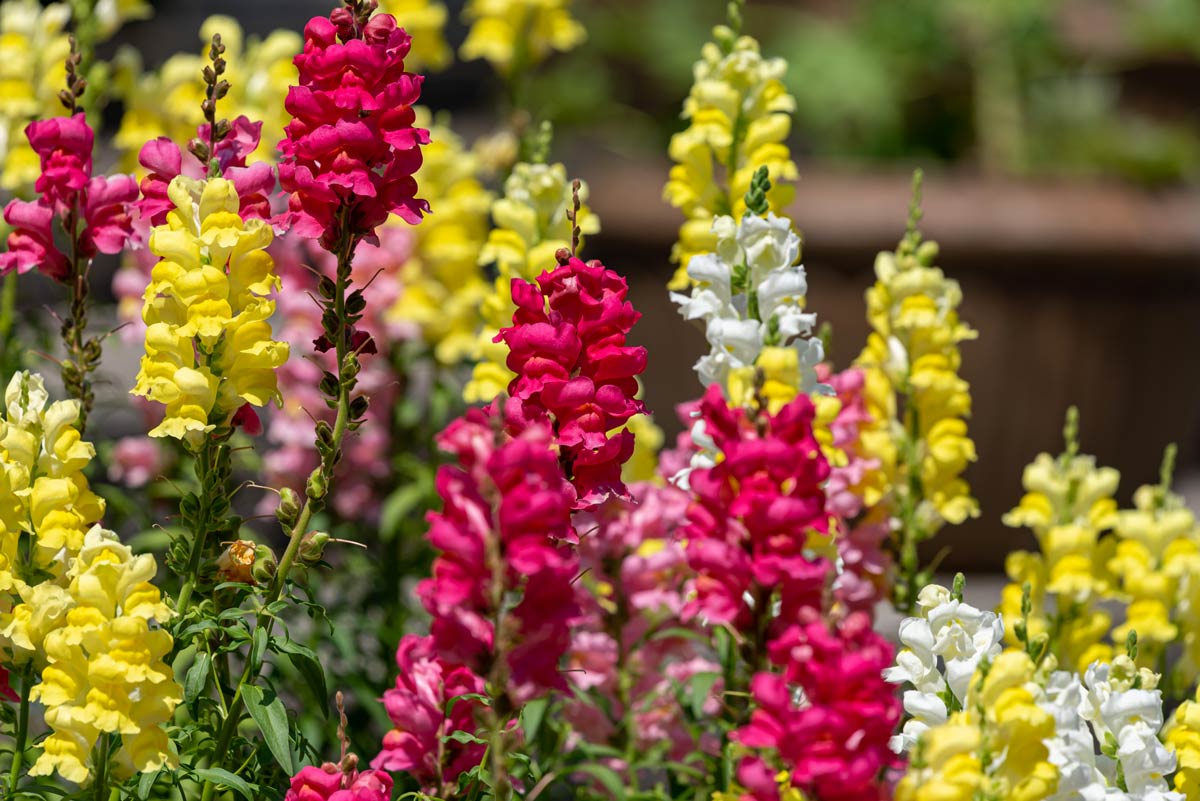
{"type": "Point", "coordinates": [530, 227]}
{"type": "Point", "coordinates": [209, 351]}
{"type": "Point", "coordinates": [738, 113]}
{"type": "Point", "coordinates": [943, 648]}
{"type": "Point", "coordinates": [514, 35]}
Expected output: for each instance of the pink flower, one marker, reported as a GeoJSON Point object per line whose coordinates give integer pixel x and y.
{"type": "Point", "coordinates": [832, 735]}
{"type": "Point", "coordinates": [70, 196]}
{"type": "Point", "coordinates": [423, 710]}
{"type": "Point", "coordinates": [506, 517]}
{"type": "Point", "coordinates": [135, 461]}
{"type": "Point", "coordinates": [330, 783]}
{"type": "Point", "coordinates": [164, 161]}
{"type": "Point", "coordinates": [351, 149]}
{"type": "Point", "coordinates": [567, 348]}
{"type": "Point", "coordinates": [753, 513]}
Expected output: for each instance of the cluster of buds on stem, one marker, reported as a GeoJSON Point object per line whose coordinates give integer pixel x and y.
{"type": "Point", "coordinates": [215, 88]}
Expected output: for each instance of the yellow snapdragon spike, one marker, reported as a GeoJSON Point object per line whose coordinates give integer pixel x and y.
{"type": "Point", "coordinates": [208, 343]}
{"type": "Point", "coordinates": [43, 491]}
{"type": "Point", "coordinates": [425, 21]}
{"type": "Point", "coordinates": [514, 35]}
{"type": "Point", "coordinates": [1069, 505]}
{"type": "Point", "coordinates": [738, 113]}
{"type": "Point", "coordinates": [33, 51]}
{"type": "Point", "coordinates": [166, 102]}
{"type": "Point", "coordinates": [104, 652]}
{"type": "Point", "coordinates": [443, 285]}
{"type": "Point", "coordinates": [1182, 735]}
{"type": "Point", "coordinates": [531, 225]}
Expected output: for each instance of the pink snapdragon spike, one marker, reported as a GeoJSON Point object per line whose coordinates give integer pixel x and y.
{"type": "Point", "coordinates": [96, 210]}
{"type": "Point", "coordinates": [832, 735]}
{"type": "Point", "coordinates": [350, 151]}
{"type": "Point", "coordinates": [417, 706]}
{"type": "Point", "coordinates": [748, 529]}
{"type": "Point", "coordinates": [331, 783]}
{"type": "Point", "coordinates": [574, 370]}
{"type": "Point", "coordinates": [164, 161]}
{"type": "Point", "coordinates": [865, 565]}
{"type": "Point", "coordinates": [504, 526]}
{"type": "Point", "coordinates": [634, 575]}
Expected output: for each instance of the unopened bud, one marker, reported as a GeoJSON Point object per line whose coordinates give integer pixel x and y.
{"type": "Point", "coordinates": [312, 547]}
{"type": "Point", "coordinates": [265, 564]}
{"type": "Point", "coordinates": [236, 562]}
{"type": "Point", "coordinates": [289, 506]}
{"type": "Point", "coordinates": [315, 488]}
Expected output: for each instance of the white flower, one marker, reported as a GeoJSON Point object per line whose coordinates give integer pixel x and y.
{"type": "Point", "coordinates": [768, 244]}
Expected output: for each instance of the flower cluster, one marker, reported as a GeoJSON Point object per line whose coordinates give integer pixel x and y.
{"type": "Point", "coordinates": [33, 53]}
{"type": "Point", "coordinates": [996, 746]}
{"type": "Point", "coordinates": [530, 227]}
{"type": "Point", "coordinates": [350, 150]}
{"type": "Point", "coordinates": [624, 659]}
{"type": "Point", "coordinates": [749, 293]}
{"type": "Point", "coordinates": [856, 485]}
{"type": "Point", "coordinates": [166, 102]}
{"type": "Point", "coordinates": [942, 650]}
{"type": "Point", "coordinates": [1119, 707]}
{"type": "Point", "coordinates": [917, 402]}
{"type": "Point", "coordinates": [514, 35]}
{"type": "Point", "coordinates": [443, 285]}
{"type": "Point", "coordinates": [209, 351]}
{"type": "Point", "coordinates": [738, 120]}
{"type": "Point", "coordinates": [826, 717]}
{"type": "Point", "coordinates": [424, 713]}
{"type": "Point", "coordinates": [95, 210]}
{"type": "Point", "coordinates": [503, 528]}
{"type": "Point", "coordinates": [105, 672]}
{"type": "Point", "coordinates": [43, 490]}
{"type": "Point", "coordinates": [758, 514]}
{"type": "Point", "coordinates": [573, 369]}
{"type": "Point", "coordinates": [329, 782]}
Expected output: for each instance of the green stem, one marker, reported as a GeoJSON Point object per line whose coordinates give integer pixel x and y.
{"type": "Point", "coordinates": [313, 502]}
{"type": "Point", "coordinates": [209, 460]}
{"type": "Point", "coordinates": [18, 761]}
{"type": "Point", "coordinates": [82, 356]}
{"type": "Point", "coordinates": [101, 785]}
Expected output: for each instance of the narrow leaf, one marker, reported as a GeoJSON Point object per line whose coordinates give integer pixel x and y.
{"type": "Point", "coordinates": [271, 718]}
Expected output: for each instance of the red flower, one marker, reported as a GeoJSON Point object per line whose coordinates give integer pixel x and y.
{"type": "Point", "coordinates": [351, 148]}
{"type": "Point", "coordinates": [573, 368]}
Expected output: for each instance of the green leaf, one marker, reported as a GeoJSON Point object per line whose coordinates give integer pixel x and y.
{"type": "Point", "coordinates": [532, 716]}
{"type": "Point", "coordinates": [222, 776]}
{"type": "Point", "coordinates": [146, 784]}
{"type": "Point", "coordinates": [453, 702]}
{"type": "Point", "coordinates": [305, 660]}
{"type": "Point", "coordinates": [699, 689]}
{"type": "Point", "coordinates": [399, 506]}
{"type": "Point", "coordinates": [679, 631]}
{"type": "Point", "coordinates": [197, 678]}
{"type": "Point", "coordinates": [271, 718]}
{"type": "Point", "coordinates": [606, 776]}
{"type": "Point", "coordinates": [258, 646]}
{"type": "Point", "coordinates": [461, 736]}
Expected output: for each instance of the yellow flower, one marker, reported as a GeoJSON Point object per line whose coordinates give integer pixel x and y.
{"type": "Point", "coordinates": [43, 490]}
{"type": "Point", "coordinates": [208, 343]}
{"type": "Point", "coordinates": [917, 402]}
{"type": "Point", "coordinates": [33, 52]}
{"type": "Point", "coordinates": [443, 286]}
{"type": "Point", "coordinates": [425, 21]}
{"type": "Point", "coordinates": [105, 670]}
{"type": "Point", "coordinates": [1182, 735]}
{"type": "Point", "coordinates": [166, 102]}
{"type": "Point", "coordinates": [531, 226]}
{"type": "Point", "coordinates": [514, 35]}
{"type": "Point", "coordinates": [738, 114]}
{"type": "Point", "coordinates": [647, 442]}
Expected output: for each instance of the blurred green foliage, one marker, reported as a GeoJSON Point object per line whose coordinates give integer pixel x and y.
{"type": "Point", "coordinates": [1024, 87]}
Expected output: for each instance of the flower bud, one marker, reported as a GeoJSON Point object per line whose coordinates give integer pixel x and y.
{"type": "Point", "coordinates": [289, 506]}
{"type": "Point", "coordinates": [312, 547]}
{"type": "Point", "coordinates": [315, 488]}
{"type": "Point", "coordinates": [236, 562]}
{"type": "Point", "coordinates": [265, 564]}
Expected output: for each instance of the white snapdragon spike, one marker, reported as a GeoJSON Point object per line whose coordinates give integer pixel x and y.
{"type": "Point", "coordinates": [942, 650]}
{"type": "Point", "coordinates": [762, 252]}
{"type": "Point", "coordinates": [1107, 708]}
